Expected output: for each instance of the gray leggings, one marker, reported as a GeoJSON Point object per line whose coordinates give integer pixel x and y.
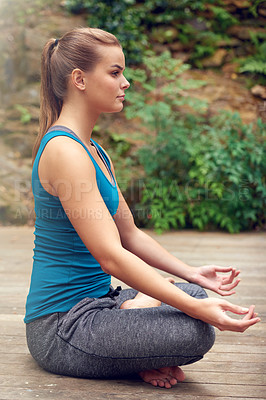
{"type": "Point", "coordinates": [96, 339]}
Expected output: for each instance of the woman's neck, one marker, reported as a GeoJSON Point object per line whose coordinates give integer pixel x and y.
{"type": "Point", "coordinates": [80, 122]}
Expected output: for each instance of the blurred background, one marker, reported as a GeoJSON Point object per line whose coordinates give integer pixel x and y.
{"type": "Point", "coordinates": [189, 146]}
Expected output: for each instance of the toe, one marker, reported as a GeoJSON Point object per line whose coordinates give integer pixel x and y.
{"type": "Point", "coordinates": [173, 381]}
{"type": "Point", "coordinates": [167, 385]}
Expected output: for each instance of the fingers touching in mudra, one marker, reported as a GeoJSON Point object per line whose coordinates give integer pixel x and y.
{"type": "Point", "coordinates": [212, 277]}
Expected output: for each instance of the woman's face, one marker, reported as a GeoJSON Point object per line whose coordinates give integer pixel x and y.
{"type": "Point", "coordinates": [106, 84]}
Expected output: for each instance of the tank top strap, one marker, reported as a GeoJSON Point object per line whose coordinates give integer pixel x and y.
{"type": "Point", "coordinates": [101, 152]}
{"type": "Point", "coordinates": [61, 131]}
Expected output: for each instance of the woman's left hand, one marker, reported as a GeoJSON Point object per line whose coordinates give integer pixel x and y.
{"type": "Point", "coordinates": [207, 276]}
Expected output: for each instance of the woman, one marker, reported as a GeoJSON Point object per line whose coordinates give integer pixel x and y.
{"type": "Point", "coordinates": [77, 324]}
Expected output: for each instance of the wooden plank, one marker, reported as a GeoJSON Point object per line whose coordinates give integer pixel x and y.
{"type": "Point", "coordinates": [29, 394]}
{"type": "Point", "coordinates": [22, 359]}
{"type": "Point", "coordinates": [241, 340]}
{"type": "Point", "coordinates": [12, 325]}
{"type": "Point", "coordinates": [67, 386]}
{"type": "Point", "coordinates": [12, 340]}
{"type": "Point", "coordinates": [15, 349]}
{"type": "Point", "coordinates": [18, 318]}
{"type": "Point", "coordinates": [239, 349]}
{"type": "Point", "coordinates": [11, 330]}
{"type": "Point", "coordinates": [225, 378]}
{"type": "Point", "coordinates": [230, 367]}
{"type": "Point", "coordinates": [16, 290]}
{"type": "Point", "coordinates": [221, 357]}
{"type": "Point", "coordinates": [50, 395]}
{"type": "Point", "coordinates": [12, 310]}
{"type": "Point", "coordinates": [192, 375]}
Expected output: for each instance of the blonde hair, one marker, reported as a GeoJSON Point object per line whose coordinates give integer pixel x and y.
{"type": "Point", "coordinates": [76, 49]}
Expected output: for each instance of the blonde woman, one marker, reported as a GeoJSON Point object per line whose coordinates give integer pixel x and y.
{"type": "Point", "coordinates": [76, 323]}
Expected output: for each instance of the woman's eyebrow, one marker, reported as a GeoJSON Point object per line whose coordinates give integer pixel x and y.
{"type": "Point", "coordinates": [117, 66]}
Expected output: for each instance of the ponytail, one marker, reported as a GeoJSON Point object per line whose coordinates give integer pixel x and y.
{"type": "Point", "coordinates": [50, 104]}
{"type": "Point", "coordinates": [76, 49]}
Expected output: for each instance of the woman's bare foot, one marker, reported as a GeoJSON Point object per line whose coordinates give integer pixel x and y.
{"type": "Point", "coordinates": [142, 300]}
{"type": "Point", "coordinates": [163, 377]}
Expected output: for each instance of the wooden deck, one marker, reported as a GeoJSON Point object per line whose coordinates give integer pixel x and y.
{"type": "Point", "coordinates": [234, 369]}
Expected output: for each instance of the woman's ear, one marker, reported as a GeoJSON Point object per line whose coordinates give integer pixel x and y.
{"type": "Point", "coordinates": [78, 79]}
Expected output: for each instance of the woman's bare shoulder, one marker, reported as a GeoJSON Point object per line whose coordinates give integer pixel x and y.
{"type": "Point", "coordinates": [60, 145]}
{"type": "Point", "coordinates": [65, 157]}
{"type": "Point", "coordinates": [63, 150]}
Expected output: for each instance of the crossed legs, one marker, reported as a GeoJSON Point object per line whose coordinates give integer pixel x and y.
{"type": "Point", "coordinates": [162, 377]}
{"type": "Point", "coordinates": [106, 338]}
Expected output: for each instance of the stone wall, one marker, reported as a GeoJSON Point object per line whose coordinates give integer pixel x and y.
{"type": "Point", "coordinates": [25, 27]}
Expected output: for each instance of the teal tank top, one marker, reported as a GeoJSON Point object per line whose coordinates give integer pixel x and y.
{"type": "Point", "coordinates": [64, 271]}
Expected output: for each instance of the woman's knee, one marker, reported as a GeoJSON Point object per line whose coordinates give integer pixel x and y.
{"type": "Point", "coordinates": [206, 338]}
{"type": "Point", "coordinates": [197, 337]}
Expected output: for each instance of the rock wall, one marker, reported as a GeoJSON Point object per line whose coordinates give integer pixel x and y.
{"type": "Point", "coordinates": [25, 27]}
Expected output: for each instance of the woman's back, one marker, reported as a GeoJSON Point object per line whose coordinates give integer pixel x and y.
{"type": "Point", "coordinates": [64, 271]}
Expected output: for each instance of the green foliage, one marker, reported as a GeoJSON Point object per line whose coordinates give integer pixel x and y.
{"type": "Point", "coordinates": [186, 32]}
{"type": "Point", "coordinates": [132, 21]}
{"type": "Point", "coordinates": [198, 25]}
{"type": "Point", "coordinates": [122, 18]}
{"type": "Point", "coordinates": [121, 144]}
{"type": "Point", "coordinates": [206, 45]}
{"type": "Point", "coordinates": [256, 63]}
{"type": "Point", "coordinates": [223, 19]}
{"type": "Point", "coordinates": [159, 91]}
{"type": "Point", "coordinates": [228, 161]}
{"type": "Point", "coordinates": [25, 115]}
{"type": "Point", "coordinates": [199, 173]}
{"type": "Point", "coordinates": [118, 149]}
{"type": "Point", "coordinates": [254, 8]}
{"type": "Point", "coordinates": [205, 176]}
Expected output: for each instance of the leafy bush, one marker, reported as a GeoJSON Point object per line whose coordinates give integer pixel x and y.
{"type": "Point", "coordinates": [200, 173]}
{"type": "Point", "coordinates": [208, 176]}
{"type": "Point", "coordinates": [160, 90]}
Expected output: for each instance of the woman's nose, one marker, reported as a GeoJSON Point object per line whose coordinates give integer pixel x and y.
{"type": "Point", "coordinates": [125, 84]}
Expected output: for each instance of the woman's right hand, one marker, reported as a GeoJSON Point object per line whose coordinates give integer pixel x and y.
{"type": "Point", "coordinates": [213, 311]}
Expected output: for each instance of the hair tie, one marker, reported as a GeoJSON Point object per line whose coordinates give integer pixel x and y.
{"type": "Point", "coordinates": [55, 42]}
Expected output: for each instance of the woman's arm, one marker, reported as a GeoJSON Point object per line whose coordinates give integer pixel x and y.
{"type": "Point", "coordinates": [72, 176]}
{"type": "Point", "coordinates": [150, 251]}
{"type": "Point", "coordinates": [145, 247]}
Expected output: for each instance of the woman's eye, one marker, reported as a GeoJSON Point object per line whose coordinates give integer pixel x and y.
{"type": "Point", "coordinates": [115, 73]}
